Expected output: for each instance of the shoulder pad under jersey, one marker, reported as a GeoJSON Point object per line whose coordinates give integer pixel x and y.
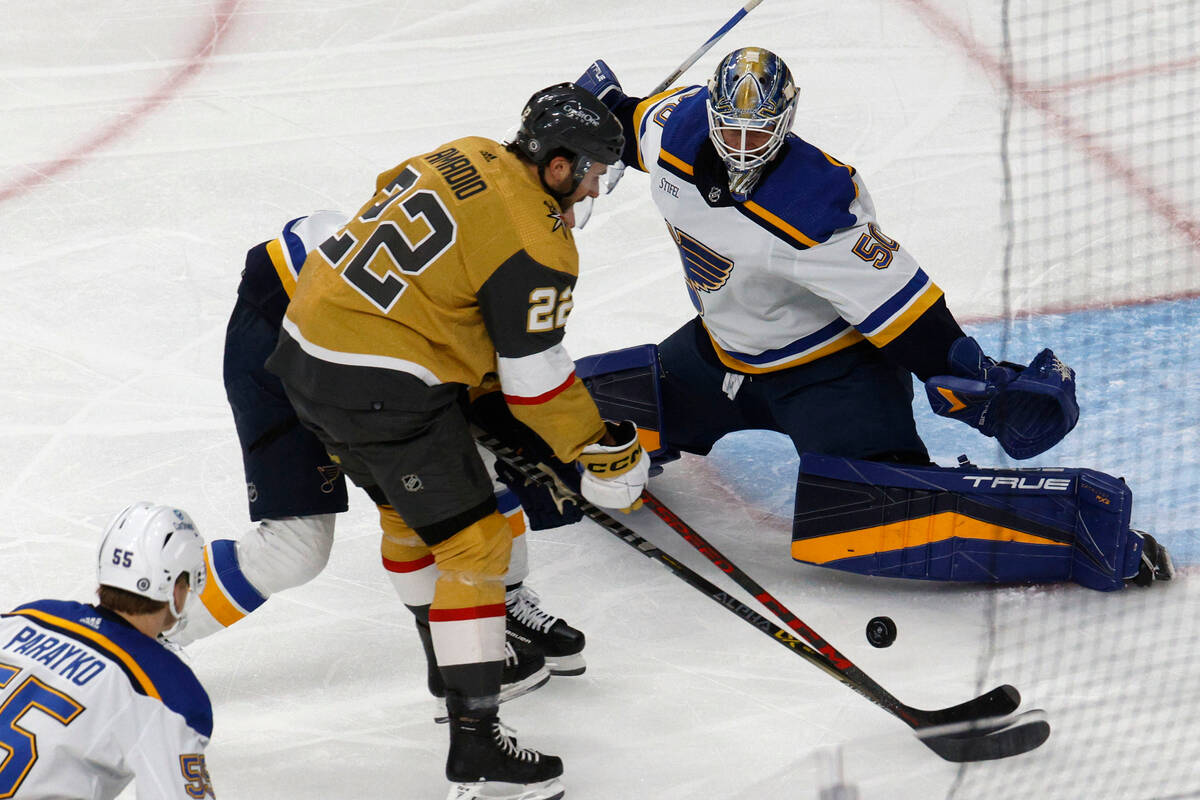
{"type": "Point", "coordinates": [805, 196]}
{"type": "Point", "coordinates": [152, 669]}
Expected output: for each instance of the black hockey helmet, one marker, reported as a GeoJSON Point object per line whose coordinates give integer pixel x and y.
{"type": "Point", "coordinates": [565, 117]}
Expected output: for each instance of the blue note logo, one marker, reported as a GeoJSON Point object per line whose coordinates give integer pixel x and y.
{"type": "Point", "coordinates": [704, 269]}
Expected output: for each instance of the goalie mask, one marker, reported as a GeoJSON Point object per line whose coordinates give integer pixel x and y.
{"type": "Point", "coordinates": [146, 548]}
{"type": "Point", "coordinates": [564, 120]}
{"type": "Point", "coordinates": [751, 103]}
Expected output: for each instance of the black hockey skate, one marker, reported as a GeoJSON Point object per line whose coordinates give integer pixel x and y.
{"type": "Point", "coordinates": [529, 627]}
{"type": "Point", "coordinates": [485, 763]}
{"type": "Point", "coordinates": [1156, 564]}
{"type": "Point", "coordinates": [524, 671]}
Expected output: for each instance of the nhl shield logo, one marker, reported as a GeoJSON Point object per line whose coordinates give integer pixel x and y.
{"type": "Point", "coordinates": [412, 483]}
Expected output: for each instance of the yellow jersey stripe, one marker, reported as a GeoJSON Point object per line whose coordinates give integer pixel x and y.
{"type": "Point", "coordinates": [846, 167]}
{"type": "Point", "coordinates": [638, 114]}
{"type": "Point", "coordinates": [279, 261]}
{"type": "Point", "coordinates": [216, 600]}
{"type": "Point", "coordinates": [779, 223]}
{"type": "Point", "coordinates": [900, 324]}
{"type": "Point", "coordinates": [845, 339]}
{"type": "Point", "coordinates": [677, 162]}
{"type": "Point", "coordinates": [106, 645]}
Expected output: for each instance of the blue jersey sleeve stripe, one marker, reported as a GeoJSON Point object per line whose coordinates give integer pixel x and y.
{"type": "Point", "coordinates": [294, 248]}
{"type": "Point", "coordinates": [506, 501]}
{"type": "Point", "coordinates": [894, 304]}
{"type": "Point", "coordinates": [825, 334]}
{"type": "Point", "coordinates": [228, 572]}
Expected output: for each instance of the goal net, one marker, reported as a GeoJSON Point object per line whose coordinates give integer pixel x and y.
{"type": "Point", "coordinates": [1100, 146]}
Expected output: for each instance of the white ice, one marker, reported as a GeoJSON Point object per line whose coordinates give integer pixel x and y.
{"type": "Point", "coordinates": [147, 145]}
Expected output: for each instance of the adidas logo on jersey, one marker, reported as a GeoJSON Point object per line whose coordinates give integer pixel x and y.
{"type": "Point", "coordinates": [91, 622]}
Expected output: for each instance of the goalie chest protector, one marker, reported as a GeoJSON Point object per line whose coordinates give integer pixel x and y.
{"type": "Point", "coordinates": [965, 523]}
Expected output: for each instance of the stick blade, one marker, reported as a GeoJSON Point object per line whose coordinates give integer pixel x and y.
{"type": "Point", "coordinates": [988, 740]}
{"type": "Point", "coordinates": [999, 702]}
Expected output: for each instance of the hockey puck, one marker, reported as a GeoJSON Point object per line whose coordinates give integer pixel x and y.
{"type": "Point", "coordinates": [881, 631]}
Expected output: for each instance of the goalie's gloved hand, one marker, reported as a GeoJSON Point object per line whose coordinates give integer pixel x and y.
{"type": "Point", "coordinates": [615, 474]}
{"type": "Point", "coordinates": [602, 82]}
{"type": "Point", "coordinates": [1027, 409]}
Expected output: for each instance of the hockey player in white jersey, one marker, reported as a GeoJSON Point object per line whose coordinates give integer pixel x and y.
{"type": "Point", "coordinates": [90, 699]}
{"type": "Point", "coordinates": [811, 321]}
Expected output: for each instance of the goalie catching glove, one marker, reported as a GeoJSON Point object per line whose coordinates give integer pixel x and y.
{"type": "Point", "coordinates": [614, 475]}
{"type": "Point", "coordinates": [602, 82]}
{"type": "Point", "coordinates": [1027, 409]}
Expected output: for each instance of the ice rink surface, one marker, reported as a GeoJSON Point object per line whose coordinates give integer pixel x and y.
{"type": "Point", "coordinates": [147, 145]}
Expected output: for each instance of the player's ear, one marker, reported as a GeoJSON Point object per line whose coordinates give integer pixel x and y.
{"type": "Point", "coordinates": [559, 169]}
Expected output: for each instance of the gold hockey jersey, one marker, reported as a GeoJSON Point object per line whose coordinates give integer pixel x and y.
{"type": "Point", "coordinates": [459, 268]}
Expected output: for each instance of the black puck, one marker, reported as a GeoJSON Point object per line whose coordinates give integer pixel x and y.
{"type": "Point", "coordinates": [881, 631]}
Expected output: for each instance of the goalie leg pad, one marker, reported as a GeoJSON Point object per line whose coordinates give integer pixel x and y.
{"type": "Point", "coordinates": [964, 524]}
{"type": "Point", "coordinates": [625, 385]}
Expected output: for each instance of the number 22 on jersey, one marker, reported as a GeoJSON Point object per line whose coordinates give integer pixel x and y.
{"type": "Point", "coordinates": [376, 265]}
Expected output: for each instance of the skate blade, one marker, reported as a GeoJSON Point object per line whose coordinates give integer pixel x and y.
{"type": "Point", "coordinates": [566, 665]}
{"type": "Point", "coordinates": [509, 691]}
{"type": "Point", "coordinates": [499, 790]}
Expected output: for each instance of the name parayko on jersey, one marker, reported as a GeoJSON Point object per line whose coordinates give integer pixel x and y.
{"type": "Point", "coordinates": [71, 661]}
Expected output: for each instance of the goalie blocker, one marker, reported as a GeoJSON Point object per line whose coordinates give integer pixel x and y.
{"type": "Point", "coordinates": [971, 524]}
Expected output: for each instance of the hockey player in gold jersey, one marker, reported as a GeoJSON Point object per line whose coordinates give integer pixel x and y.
{"type": "Point", "coordinates": [458, 274]}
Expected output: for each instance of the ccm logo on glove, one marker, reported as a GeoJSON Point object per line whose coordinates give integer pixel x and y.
{"type": "Point", "coordinates": [615, 474]}
{"type": "Point", "coordinates": [622, 463]}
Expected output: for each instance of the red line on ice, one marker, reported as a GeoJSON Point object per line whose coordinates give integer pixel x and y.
{"type": "Point", "coordinates": [1038, 98]}
{"type": "Point", "coordinates": [106, 134]}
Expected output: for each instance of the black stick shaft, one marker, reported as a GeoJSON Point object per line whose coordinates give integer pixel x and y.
{"type": "Point", "coordinates": [843, 671]}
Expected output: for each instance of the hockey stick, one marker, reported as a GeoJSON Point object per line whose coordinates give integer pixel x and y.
{"type": "Point", "coordinates": [919, 720]}
{"type": "Point", "coordinates": [966, 732]}
{"type": "Point", "coordinates": [704, 48]}
{"type": "Point", "coordinates": [612, 177]}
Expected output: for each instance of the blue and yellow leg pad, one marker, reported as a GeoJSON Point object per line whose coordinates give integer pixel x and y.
{"type": "Point", "coordinates": [964, 524]}
{"type": "Point", "coordinates": [625, 385]}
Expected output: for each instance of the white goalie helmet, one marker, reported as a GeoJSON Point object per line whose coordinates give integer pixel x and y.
{"type": "Point", "coordinates": [751, 104]}
{"type": "Point", "coordinates": [146, 548]}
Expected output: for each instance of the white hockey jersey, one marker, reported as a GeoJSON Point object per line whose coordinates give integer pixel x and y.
{"type": "Point", "coordinates": [87, 702]}
{"type": "Point", "coordinates": [797, 272]}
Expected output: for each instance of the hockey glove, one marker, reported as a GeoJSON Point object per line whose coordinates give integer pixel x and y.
{"type": "Point", "coordinates": [602, 82]}
{"type": "Point", "coordinates": [1027, 409]}
{"type": "Point", "coordinates": [615, 475]}
{"type": "Point", "coordinates": [544, 507]}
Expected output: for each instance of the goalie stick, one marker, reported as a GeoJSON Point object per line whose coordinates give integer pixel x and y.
{"type": "Point", "coordinates": [976, 730]}
{"type": "Point", "coordinates": [704, 48]}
